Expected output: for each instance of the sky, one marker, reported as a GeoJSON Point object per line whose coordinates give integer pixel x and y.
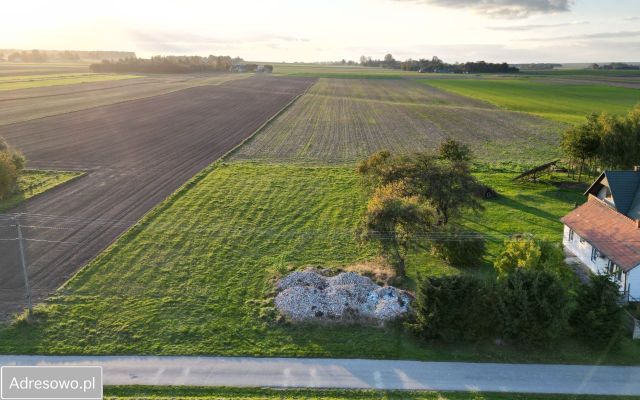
{"type": "Point", "coordinates": [515, 31]}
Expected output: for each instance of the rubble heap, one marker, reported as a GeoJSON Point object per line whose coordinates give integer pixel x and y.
{"type": "Point", "coordinates": [348, 297]}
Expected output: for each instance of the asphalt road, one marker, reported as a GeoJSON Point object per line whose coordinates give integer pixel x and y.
{"type": "Point", "coordinates": [352, 374]}
{"type": "Point", "coordinates": [135, 153]}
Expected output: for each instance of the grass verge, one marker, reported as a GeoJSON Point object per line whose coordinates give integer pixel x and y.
{"type": "Point", "coordinates": [34, 182]}
{"type": "Point", "coordinates": [155, 392]}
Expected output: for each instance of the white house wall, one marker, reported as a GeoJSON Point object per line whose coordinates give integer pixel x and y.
{"type": "Point", "coordinates": [633, 280]}
{"type": "Point", "coordinates": [583, 252]}
{"type": "Point", "coordinates": [599, 266]}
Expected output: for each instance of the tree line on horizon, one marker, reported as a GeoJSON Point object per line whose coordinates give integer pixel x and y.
{"type": "Point", "coordinates": [168, 64]}
{"type": "Point", "coordinates": [37, 56]}
{"type": "Point", "coordinates": [616, 66]}
{"type": "Point", "coordinates": [435, 64]}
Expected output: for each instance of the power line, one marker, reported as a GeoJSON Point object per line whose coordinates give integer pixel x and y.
{"type": "Point", "coordinates": [23, 260]}
{"type": "Point", "coordinates": [59, 222]}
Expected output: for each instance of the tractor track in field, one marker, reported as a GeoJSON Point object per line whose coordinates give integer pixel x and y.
{"type": "Point", "coordinates": [136, 153]}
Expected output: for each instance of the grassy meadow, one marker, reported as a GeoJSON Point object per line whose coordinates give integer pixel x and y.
{"type": "Point", "coordinates": [142, 392]}
{"type": "Point", "coordinates": [521, 207]}
{"type": "Point", "coordinates": [34, 182]}
{"type": "Point", "coordinates": [34, 81]}
{"type": "Point", "coordinates": [196, 275]}
{"type": "Point", "coordinates": [562, 102]}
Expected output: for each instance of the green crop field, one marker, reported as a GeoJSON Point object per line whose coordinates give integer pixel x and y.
{"type": "Point", "coordinates": [196, 275]}
{"type": "Point", "coordinates": [343, 120]}
{"type": "Point", "coordinates": [32, 183]}
{"type": "Point", "coordinates": [142, 392]}
{"type": "Point", "coordinates": [34, 81]}
{"type": "Point", "coordinates": [587, 72]}
{"type": "Point", "coordinates": [563, 102]}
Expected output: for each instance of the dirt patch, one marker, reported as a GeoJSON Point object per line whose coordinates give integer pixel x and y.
{"type": "Point", "coordinates": [379, 271]}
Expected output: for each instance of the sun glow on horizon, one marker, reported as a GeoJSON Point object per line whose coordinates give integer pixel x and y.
{"type": "Point", "coordinates": [333, 30]}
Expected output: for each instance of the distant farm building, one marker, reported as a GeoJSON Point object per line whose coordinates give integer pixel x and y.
{"type": "Point", "coordinates": [238, 68]}
{"type": "Point", "coordinates": [259, 68]}
{"type": "Point", "coordinates": [604, 233]}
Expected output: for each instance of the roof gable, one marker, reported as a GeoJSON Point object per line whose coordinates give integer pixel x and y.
{"type": "Point", "coordinates": [624, 187]}
{"type": "Point", "coordinates": [625, 190]}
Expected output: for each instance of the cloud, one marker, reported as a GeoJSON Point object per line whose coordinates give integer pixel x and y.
{"type": "Point", "coordinates": [598, 35]}
{"type": "Point", "coordinates": [533, 27]}
{"type": "Point", "coordinates": [184, 42]}
{"type": "Point", "coordinates": [632, 18]}
{"type": "Point", "coordinates": [504, 8]}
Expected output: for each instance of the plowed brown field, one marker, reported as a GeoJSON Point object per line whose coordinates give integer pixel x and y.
{"type": "Point", "coordinates": [136, 154]}
{"type": "Point", "coordinates": [26, 104]}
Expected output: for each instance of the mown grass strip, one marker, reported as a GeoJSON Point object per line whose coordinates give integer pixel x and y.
{"type": "Point", "coordinates": [228, 393]}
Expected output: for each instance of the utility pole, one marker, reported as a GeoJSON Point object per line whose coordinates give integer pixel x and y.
{"type": "Point", "coordinates": [24, 266]}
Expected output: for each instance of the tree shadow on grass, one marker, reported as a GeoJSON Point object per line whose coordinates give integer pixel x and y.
{"type": "Point", "coordinates": [520, 206]}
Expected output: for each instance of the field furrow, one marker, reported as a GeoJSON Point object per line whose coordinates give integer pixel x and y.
{"type": "Point", "coordinates": [343, 120]}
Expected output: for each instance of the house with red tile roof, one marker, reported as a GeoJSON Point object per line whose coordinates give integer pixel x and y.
{"type": "Point", "coordinates": [604, 232]}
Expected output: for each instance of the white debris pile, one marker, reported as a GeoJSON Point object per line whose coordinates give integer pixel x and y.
{"type": "Point", "coordinates": [308, 296]}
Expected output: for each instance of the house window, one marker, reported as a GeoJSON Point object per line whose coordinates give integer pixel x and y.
{"type": "Point", "coordinates": [594, 253]}
{"type": "Point", "coordinates": [571, 235]}
{"type": "Point", "coordinates": [614, 270]}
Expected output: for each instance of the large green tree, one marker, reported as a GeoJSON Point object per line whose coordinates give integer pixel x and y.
{"type": "Point", "coordinates": [454, 150]}
{"type": "Point", "coordinates": [395, 221]}
{"type": "Point", "coordinates": [582, 143]}
{"type": "Point", "coordinates": [11, 163]}
{"type": "Point", "coordinates": [446, 185]}
{"type": "Point", "coordinates": [608, 140]}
